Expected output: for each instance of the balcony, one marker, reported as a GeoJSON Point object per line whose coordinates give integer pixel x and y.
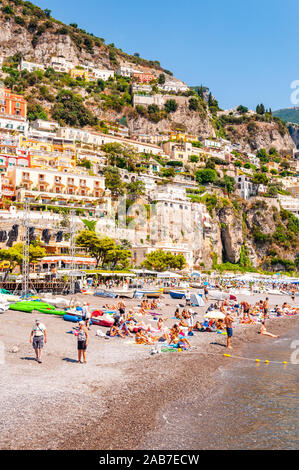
{"type": "Point", "coordinates": [13, 116]}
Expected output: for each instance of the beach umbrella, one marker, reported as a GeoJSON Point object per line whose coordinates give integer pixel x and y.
{"type": "Point", "coordinates": [215, 314]}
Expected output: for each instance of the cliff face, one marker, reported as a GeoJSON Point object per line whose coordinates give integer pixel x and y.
{"type": "Point", "coordinates": [183, 119]}
{"type": "Point", "coordinates": [254, 234]}
{"type": "Point", "coordinates": [231, 234]}
{"type": "Point", "coordinates": [262, 135]}
{"type": "Point", "coordinates": [294, 133]}
{"type": "Point", "coordinates": [43, 40]}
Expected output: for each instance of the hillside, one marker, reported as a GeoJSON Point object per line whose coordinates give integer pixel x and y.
{"type": "Point", "coordinates": [42, 37]}
{"type": "Point", "coordinates": [255, 234]}
{"type": "Point", "coordinates": [257, 131]}
{"type": "Point", "coordinates": [288, 114]}
{"type": "Point", "coordinates": [29, 33]}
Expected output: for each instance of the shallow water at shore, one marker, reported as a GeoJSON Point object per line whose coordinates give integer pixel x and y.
{"type": "Point", "coordinates": [252, 406]}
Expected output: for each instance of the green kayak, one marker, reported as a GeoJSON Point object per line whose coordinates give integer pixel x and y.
{"type": "Point", "coordinates": [29, 306]}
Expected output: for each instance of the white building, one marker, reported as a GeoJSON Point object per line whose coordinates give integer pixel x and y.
{"type": "Point", "coordinates": [139, 252]}
{"type": "Point", "coordinates": [146, 100]}
{"type": "Point", "coordinates": [136, 87]}
{"type": "Point", "coordinates": [174, 85]}
{"type": "Point", "coordinates": [98, 139]}
{"type": "Point", "coordinates": [245, 187]}
{"type": "Point", "coordinates": [290, 204]}
{"type": "Point", "coordinates": [34, 183]}
{"type": "Point", "coordinates": [212, 144]}
{"type": "Point", "coordinates": [47, 126]}
{"type": "Point", "coordinates": [171, 214]}
{"type": "Point", "coordinates": [289, 181]}
{"type": "Point", "coordinates": [127, 71]}
{"type": "Point", "coordinates": [14, 123]}
{"type": "Point", "coordinates": [103, 74]}
{"type": "Point", "coordinates": [60, 64]}
{"type": "Point", "coordinates": [30, 66]}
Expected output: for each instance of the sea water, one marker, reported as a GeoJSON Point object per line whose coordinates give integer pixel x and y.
{"type": "Point", "coordinates": [252, 406]}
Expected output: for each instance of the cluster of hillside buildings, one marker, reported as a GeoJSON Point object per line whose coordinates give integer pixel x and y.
{"type": "Point", "coordinates": [39, 164]}
{"type": "Point", "coordinates": [89, 72]}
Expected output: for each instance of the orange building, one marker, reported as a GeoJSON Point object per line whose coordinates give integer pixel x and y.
{"type": "Point", "coordinates": [143, 77]}
{"type": "Point", "coordinates": [12, 104]}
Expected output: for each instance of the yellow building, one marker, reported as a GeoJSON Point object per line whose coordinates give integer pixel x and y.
{"type": "Point", "coordinates": [33, 144]}
{"type": "Point", "coordinates": [63, 163]}
{"type": "Point", "coordinates": [182, 137]}
{"type": "Point", "coordinates": [40, 159]}
{"type": "Point", "coordinates": [84, 74]}
{"type": "Point", "coordinates": [64, 147]}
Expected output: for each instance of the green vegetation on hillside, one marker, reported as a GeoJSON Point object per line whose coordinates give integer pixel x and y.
{"type": "Point", "coordinates": [38, 21]}
{"type": "Point", "coordinates": [288, 114]}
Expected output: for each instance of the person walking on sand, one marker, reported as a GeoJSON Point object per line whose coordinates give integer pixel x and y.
{"type": "Point", "coordinates": [82, 342]}
{"type": "Point", "coordinates": [246, 310]}
{"type": "Point", "coordinates": [38, 337]}
{"type": "Point", "coordinates": [86, 315]}
{"type": "Point", "coordinates": [206, 293]}
{"type": "Point", "coordinates": [188, 297]}
{"type": "Point", "coordinates": [229, 328]}
{"type": "Point", "coordinates": [293, 295]}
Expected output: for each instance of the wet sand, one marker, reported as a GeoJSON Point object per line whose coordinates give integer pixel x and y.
{"type": "Point", "coordinates": [116, 400]}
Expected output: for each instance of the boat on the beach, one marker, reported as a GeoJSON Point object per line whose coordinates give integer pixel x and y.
{"type": "Point", "coordinates": [105, 293]}
{"type": "Point", "coordinates": [177, 294]}
{"type": "Point", "coordinates": [196, 285]}
{"type": "Point", "coordinates": [218, 295]}
{"type": "Point", "coordinates": [240, 292]}
{"type": "Point", "coordinates": [126, 293]}
{"type": "Point", "coordinates": [100, 319]}
{"type": "Point", "coordinates": [275, 292]}
{"type": "Point", "coordinates": [150, 294]}
{"type": "Point", "coordinates": [59, 302]}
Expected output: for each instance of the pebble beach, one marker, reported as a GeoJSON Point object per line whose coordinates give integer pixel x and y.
{"type": "Point", "coordinates": [114, 401]}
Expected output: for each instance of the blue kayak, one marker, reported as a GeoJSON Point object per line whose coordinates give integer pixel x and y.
{"type": "Point", "coordinates": [177, 295]}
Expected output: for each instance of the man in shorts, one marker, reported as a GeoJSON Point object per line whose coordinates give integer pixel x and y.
{"type": "Point", "coordinates": [266, 308]}
{"type": "Point", "coordinates": [38, 337]}
{"type": "Point", "coordinates": [229, 328]}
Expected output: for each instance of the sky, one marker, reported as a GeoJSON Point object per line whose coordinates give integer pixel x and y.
{"type": "Point", "coordinates": [245, 52]}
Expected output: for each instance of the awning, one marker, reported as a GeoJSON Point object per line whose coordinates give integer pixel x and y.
{"type": "Point", "coordinates": [168, 274]}
{"type": "Point", "coordinates": [68, 259]}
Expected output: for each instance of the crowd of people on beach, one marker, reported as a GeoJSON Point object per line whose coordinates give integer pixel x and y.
{"type": "Point", "coordinates": [132, 322]}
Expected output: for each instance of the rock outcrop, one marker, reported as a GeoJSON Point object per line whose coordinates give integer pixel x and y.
{"type": "Point", "coordinates": [231, 234]}
{"type": "Point", "coordinates": [264, 135]}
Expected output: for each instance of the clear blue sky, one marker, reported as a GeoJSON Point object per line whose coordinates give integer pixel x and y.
{"type": "Point", "coordinates": [245, 52]}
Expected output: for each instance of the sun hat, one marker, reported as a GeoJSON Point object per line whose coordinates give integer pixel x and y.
{"type": "Point", "coordinates": [37, 321]}
{"type": "Point", "coordinates": [81, 322]}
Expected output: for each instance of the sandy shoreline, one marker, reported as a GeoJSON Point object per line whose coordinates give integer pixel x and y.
{"type": "Point", "coordinates": [116, 400]}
